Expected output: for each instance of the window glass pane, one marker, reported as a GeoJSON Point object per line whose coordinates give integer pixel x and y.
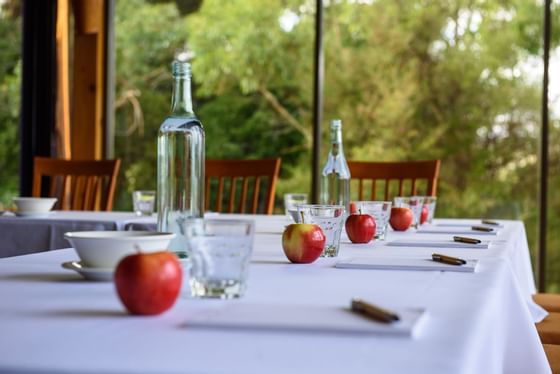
{"type": "Point", "coordinates": [458, 81]}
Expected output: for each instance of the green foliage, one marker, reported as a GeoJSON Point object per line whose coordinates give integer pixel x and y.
{"type": "Point", "coordinates": [10, 73]}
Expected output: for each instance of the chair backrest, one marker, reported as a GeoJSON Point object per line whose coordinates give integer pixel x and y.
{"type": "Point", "coordinates": [385, 173]}
{"type": "Point", "coordinates": [248, 175]}
{"type": "Point", "coordinates": [78, 185]}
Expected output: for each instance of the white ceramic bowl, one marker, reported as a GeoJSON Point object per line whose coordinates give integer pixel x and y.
{"type": "Point", "coordinates": [104, 249]}
{"type": "Point", "coordinates": [34, 205]}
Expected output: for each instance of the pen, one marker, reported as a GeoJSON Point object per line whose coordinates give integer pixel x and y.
{"type": "Point", "coordinates": [463, 239]}
{"type": "Point", "coordinates": [374, 312]}
{"type": "Point", "coordinates": [482, 228]}
{"type": "Point", "coordinates": [489, 222]}
{"type": "Point", "coordinates": [448, 259]}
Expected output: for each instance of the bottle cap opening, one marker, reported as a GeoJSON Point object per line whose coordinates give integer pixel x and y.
{"type": "Point", "coordinates": [181, 69]}
{"type": "Point", "coordinates": [336, 123]}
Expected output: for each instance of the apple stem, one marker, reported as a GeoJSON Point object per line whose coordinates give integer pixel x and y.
{"type": "Point", "coordinates": [302, 219]}
{"type": "Point", "coordinates": [137, 248]}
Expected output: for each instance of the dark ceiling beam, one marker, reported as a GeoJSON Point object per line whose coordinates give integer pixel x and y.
{"type": "Point", "coordinates": [317, 102]}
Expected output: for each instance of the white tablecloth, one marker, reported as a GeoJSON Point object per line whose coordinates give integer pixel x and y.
{"type": "Point", "coordinates": [52, 321]}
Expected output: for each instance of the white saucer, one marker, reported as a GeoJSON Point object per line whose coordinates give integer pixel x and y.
{"type": "Point", "coordinates": [32, 214]}
{"type": "Point", "coordinates": [93, 274]}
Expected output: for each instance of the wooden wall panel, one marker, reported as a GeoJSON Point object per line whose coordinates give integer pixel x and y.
{"type": "Point", "coordinates": [62, 111]}
{"type": "Point", "coordinates": [88, 80]}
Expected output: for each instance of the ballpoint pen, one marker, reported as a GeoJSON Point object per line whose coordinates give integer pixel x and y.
{"type": "Point", "coordinates": [374, 312]}
{"type": "Point", "coordinates": [482, 228]}
{"type": "Point", "coordinates": [462, 239]}
{"type": "Point", "coordinates": [489, 222]}
{"type": "Point", "coordinates": [448, 259]}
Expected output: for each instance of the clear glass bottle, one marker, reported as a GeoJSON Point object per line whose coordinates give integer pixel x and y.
{"type": "Point", "coordinates": [335, 179]}
{"type": "Point", "coordinates": [180, 186]}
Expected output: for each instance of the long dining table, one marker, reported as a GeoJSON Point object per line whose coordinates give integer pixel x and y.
{"type": "Point", "coordinates": [52, 320]}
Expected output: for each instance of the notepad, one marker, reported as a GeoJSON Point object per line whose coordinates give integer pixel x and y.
{"type": "Point", "coordinates": [484, 244]}
{"type": "Point", "coordinates": [397, 263]}
{"type": "Point", "coordinates": [455, 231]}
{"type": "Point", "coordinates": [468, 225]}
{"type": "Point", "coordinates": [303, 319]}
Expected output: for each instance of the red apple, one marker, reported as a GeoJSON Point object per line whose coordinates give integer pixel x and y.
{"type": "Point", "coordinates": [149, 283]}
{"type": "Point", "coordinates": [401, 218]}
{"type": "Point", "coordinates": [424, 214]}
{"type": "Point", "coordinates": [303, 242]}
{"type": "Point", "coordinates": [360, 228]}
{"type": "Point", "coordinates": [353, 208]}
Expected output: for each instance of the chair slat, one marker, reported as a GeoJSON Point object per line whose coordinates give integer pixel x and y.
{"type": "Point", "coordinates": [413, 187]}
{"type": "Point", "coordinates": [78, 191]}
{"type": "Point", "coordinates": [231, 195]}
{"type": "Point", "coordinates": [90, 192]}
{"type": "Point", "coordinates": [243, 201]}
{"type": "Point", "coordinates": [256, 191]}
{"type": "Point", "coordinates": [373, 189]}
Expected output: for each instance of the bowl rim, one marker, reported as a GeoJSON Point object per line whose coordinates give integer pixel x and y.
{"type": "Point", "coordinates": [53, 199]}
{"type": "Point", "coordinates": [119, 235]}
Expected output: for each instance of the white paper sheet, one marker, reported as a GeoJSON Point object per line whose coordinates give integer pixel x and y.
{"type": "Point", "coordinates": [441, 224]}
{"type": "Point", "coordinates": [396, 263]}
{"type": "Point", "coordinates": [454, 231]}
{"type": "Point", "coordinates": [438, 244]}
{"type": "Point", "coordinates": [304, 318]}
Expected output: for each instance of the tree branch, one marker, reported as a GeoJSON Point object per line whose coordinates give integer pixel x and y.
{"type": "Point", "coordinates": [283, 112]}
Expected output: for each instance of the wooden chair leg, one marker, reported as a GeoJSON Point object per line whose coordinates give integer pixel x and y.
{"type": "Point", "coordinates": [553, 354]}
{"type": "Point", "coordinates": [549, 329]}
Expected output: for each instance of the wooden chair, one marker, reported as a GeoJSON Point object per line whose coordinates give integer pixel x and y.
{"type": "Point", "coordinates": [233, 171]}
{"type": "Point", "coordinates": [417, 172]}
{"type": "Point", "coordinates": [78, 185]}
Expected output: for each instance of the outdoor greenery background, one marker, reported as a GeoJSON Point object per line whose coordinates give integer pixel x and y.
{"type": "Point", "coordinates": [457, 80]}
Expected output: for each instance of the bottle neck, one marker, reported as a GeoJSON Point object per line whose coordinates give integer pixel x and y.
{"type": "Point", "coordinates": [336, 141]}
{"type": "Point", "coordinates": [181, 102]}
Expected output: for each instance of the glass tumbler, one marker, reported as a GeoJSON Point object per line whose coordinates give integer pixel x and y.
{"type": "Point", "coordinates": [430, 202]}
{"type": "Point", "coordinates": [291, 202]}
{"type": "Point", "coordinates": [414, 203]}
{"type": "Point", "coordinates": [143, 202]}
{"type": "Point", "coordinates": [380, 211]}
{"type": "Point", "coordinates": [331, 219]}
{"type": "Point", "coordinates": [219, 251]}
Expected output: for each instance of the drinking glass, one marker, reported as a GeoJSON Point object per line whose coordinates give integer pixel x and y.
{"type": "Point", "coordinates": [219, 251]}
{"type": "Point", "coordinates": [414, 203]}
{"type": "Point", "coordinates": [330, 218]}
{"type": "Point", "coordinates": [291, 201]}
{"type": "Point", "coordinates": [380, 211]}
{"type": "Point", "coordinates": [430, 202]}
{"type": "Point", "coordinates": [143, 202]}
